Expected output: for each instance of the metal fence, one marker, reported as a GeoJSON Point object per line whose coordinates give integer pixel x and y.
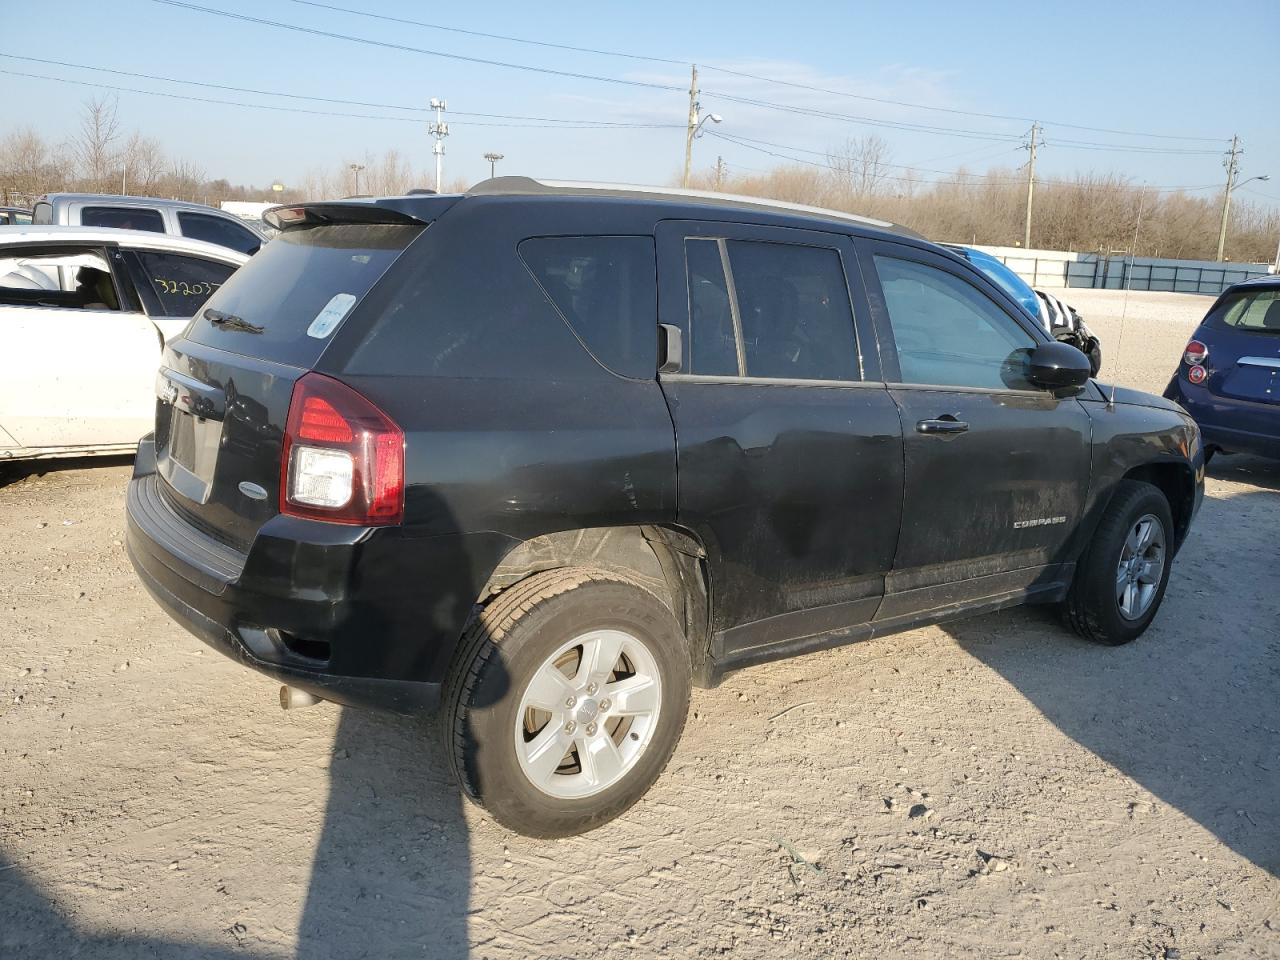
{"type": "Point", "coordinates": [1053, 269]}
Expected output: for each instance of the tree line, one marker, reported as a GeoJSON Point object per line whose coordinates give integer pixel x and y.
{"type": "Point", "coordinates": [1089, 212]}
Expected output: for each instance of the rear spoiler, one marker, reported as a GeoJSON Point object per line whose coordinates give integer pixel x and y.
{"type": "Point", "coordinates": [403, 211]}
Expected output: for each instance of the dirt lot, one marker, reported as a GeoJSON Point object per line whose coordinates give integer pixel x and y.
{"type": "Point", "coordinates": [992, 788]}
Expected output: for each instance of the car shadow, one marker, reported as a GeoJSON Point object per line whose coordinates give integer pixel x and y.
{"type": "Point", "coordinates": [1243, 468]}
{"type": "Point", "coordinates": [16, 471]}
{"type": "Point", "coordinates": [1188, 710]}
{"type": "Point", "coordinates": [33, 926]}
{"type": "Point", "coordinates": [392, 872]}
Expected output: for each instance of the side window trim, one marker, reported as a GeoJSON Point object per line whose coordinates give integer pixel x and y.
{"type": "Point", "coordinates": [735, 312]}
{"type": "Point", "coordinates": [148, 301]}
{"type": "Point", "coordinates": [870, 249]}
{"type": "Point", "coordinates": [673, 289]}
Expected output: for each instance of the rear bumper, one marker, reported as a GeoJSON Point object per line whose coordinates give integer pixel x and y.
{"type": "Point", "coordinates": [367, 617]}
{"type": "Point", "coordinates": [399, 696]}
{"type": "Point", "coordinates": [1220, 420]}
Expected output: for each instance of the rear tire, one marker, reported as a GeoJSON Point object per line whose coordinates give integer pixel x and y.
{"type": "Point", "coordinates": [1121, 578]}
{"type": "Point", "coordinates": [565, 701]}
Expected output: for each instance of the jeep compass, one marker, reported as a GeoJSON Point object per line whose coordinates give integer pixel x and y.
{"type": "Point", "coordinates": [543, 456]}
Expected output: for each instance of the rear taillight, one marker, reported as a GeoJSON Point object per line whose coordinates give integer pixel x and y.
{"type": "Point", "coordinates": [343, 458]}
{"type": "Point", "coordinates": [1197, 374]}
{"type": "Point", "coordinates": [1195, 353]}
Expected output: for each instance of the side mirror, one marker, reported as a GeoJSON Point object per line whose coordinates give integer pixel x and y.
{"type": "Point", "coordinates": [1058, 366]}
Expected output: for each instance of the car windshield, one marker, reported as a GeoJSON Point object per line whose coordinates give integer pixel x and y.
{"type": "Point", "coordinates": [1004, 278]}
{"type": "Point", "coordinates": [1257, 311]}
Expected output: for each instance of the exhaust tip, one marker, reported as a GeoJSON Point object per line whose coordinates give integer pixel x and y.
{"type": "Point", "coordinates": [291, 698]}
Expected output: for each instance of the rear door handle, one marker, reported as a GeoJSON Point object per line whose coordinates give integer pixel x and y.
{"type": "Point", "coordinates": [946, 423]}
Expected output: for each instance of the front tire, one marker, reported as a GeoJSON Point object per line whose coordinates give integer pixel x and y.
{"type": "Point", "coordinates": [1121, 579]}
{"type": "Point", "coordinates": [566, 700]}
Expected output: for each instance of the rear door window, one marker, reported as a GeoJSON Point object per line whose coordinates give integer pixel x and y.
{"type": "Point", "coordinates": [70, 277]}
{"type": "Point", "coordinates": [767, 310]}
{"type": "Point", "coordinates": [286, 303]}
{"type": "Point", "coordinates": [219, 230]}
{"type": "Point", "coordinates": [175, 285]}
{"type": "Point", "coordinates": [793, 305]}
{"type": "Point", "coordinates": [606, 290]}
{"type": "Point", "coordinates": [123, 218]}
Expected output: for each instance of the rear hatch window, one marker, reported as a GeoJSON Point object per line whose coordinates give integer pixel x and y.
{"type": "Point", "coordinates": [1256, 311]}
{"type": "Point", "coordinates": [286, 303]}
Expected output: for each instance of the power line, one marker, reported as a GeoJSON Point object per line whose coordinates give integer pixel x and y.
{"type": "Point", "coordinates": [1130, 148]}
{"type": "Point", "coordinates": [548, 123]}
{"type": "Point", "coordinates": [300, 96]}
{"type": "Point", "coordinates": [489, 36]}
{"type": "Point", "coordinates": [947, 131]}
{"type": "Point", "coordinates": [1256, 193]}
{"type": "Point", "coordinates": [952, 110]}
{"type": "Point", "coordinates": [869, 121]}
{"type": "Point", "coordinates": [387, 45]}
{"type": "Point", "coordinates": [214, 86]}
{"type": "Point", "coordinates": [738, 138]}
{"type": "Point", "coordinates": [736, 73]}
{"type": "Point", "coordinates": [751, 145]}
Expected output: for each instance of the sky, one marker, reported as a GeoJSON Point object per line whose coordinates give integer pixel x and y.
{"type": "Point", "coordinates": [1165, 85]}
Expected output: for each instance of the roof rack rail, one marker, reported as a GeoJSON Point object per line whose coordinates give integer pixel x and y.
{"type": "Point", "coordinates": [528, 186]}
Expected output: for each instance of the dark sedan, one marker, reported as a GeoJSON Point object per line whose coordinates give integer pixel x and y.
{"type": "Point", "coordinates": [1229, 377]}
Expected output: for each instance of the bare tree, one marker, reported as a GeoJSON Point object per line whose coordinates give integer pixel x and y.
{"type": "Point", "coordinates": [29, 166]}
{"type": "Point", "coordinates": [860, 166]}
{"type": "Point", "coordinates": [183, 180]}
{"type": "Point", "coordinates": [94, 146]}
{"type": "Point", "coordinates": [143, 164]}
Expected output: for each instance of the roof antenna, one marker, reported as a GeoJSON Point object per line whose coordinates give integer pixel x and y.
{"type": "Point", "coordinates": [1128, 277]}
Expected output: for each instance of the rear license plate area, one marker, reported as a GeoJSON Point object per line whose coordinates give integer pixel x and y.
{"type": "Point", "coordinates": [189, 457]}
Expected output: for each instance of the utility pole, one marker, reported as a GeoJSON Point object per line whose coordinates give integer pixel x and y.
{"type": "Point", "coordinates": [1031, 183]}
{"type": "Point", "coordinates": [439, 130]}
{"type": "Point", "coordinates": [693, 126]}
{"type": "Point", "coordinates": [719, 173]}
{"type": "Point", "coordinates": [1232, 163]}
{"type": "Point", "coordinates": [493, 159]}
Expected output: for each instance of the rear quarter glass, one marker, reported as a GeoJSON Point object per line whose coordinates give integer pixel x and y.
{"type": "Point", "coordinates": [299, 277]}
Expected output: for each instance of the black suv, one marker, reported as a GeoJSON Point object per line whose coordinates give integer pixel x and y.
{"type": "Point", "coordinates": [545, 455]}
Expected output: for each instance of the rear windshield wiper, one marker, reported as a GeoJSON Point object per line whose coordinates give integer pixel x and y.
{"type": "Point", "coordinates": [229, 321]}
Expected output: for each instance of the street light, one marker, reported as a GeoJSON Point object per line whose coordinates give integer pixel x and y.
{"type": "Point", "coordinates": [713, 117]}
{"type": "Point", "coordinates": [355, 169]}
{"type": "Point", "coordinates": [493, 159]}
{"type": "Point", "coordinates": [1226, 208]}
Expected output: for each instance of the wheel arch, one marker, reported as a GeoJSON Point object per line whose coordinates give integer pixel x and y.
{"type": "Point", "coordinates": [669, 561]}
{"type": "Point", "coordinates": [1178, 484]}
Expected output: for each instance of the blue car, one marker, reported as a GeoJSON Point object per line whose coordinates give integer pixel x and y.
{"type": "Point", "coordinates": [1229, 377]}
{"type": "Point", "coordinates": [1059, 320]}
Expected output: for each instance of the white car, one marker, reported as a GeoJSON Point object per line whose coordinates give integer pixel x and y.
{"type": "Point", "coordinates": [84, 314]}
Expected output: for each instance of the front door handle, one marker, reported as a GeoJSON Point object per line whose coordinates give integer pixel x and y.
{"type": "Point", "coordinates": [947, 423]}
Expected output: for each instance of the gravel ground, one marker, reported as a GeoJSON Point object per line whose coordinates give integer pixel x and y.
{"type": "Point", "coordinates": [992, 788]}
